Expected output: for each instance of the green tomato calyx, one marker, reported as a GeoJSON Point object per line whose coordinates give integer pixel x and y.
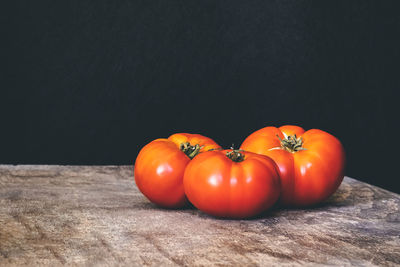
{"type": "Point", "coordinates": [235, 155]}
{"type": "Point", "coordinates": [189, 150]}
{"type": "Point", "coordinates": [291, 143]}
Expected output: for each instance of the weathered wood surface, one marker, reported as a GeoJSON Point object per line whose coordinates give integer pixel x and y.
{"type": "Point", "coordinates": [56, 215]}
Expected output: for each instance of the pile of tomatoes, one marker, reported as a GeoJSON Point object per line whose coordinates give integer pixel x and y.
{"type": "Point", "coordinates": [287, 165]}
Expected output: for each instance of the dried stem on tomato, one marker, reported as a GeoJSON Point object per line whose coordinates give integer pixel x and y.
{"type": "Point", "coordinates": [189, 150]}
{"type": "Point", "coordinates": [292, 143]}
{"type": "Point", "coordinates": [235, 155]}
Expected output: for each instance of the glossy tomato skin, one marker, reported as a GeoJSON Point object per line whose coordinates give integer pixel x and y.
{"type": "Point", "coordinates": [308, 176]}
{"type": "Point", "coordinates": [160, 166]}
{"type": "Point", "coordinates": [223, 188]}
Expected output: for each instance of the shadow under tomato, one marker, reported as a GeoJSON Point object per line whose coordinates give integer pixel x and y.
{"type": "Point", "coordinates": [275, 211]}
{"type": "Point", "coordinates": [188, 206]}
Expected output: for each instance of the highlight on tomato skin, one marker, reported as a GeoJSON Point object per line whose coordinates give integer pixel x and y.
{"type": "Point", "coordinates": [311, 163]}
{"type": "Point", "coordinates": [160, 166]}
{"type": "Point", "coordinates": [232, 183]}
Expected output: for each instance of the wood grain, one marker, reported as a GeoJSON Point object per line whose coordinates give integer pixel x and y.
{"type": "Point", "coordinates": [80, 215]}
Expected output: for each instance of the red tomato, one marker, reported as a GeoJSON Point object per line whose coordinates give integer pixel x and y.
{"type": "Point", "coordinates": [232, 183]}
{"type": "Point", "coordinates": [311, 163]}
{"type": "Point", "coordinates": [160, 166]}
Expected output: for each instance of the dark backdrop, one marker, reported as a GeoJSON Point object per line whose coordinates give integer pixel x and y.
{"type": "Point", "coordinates": [91, 82]}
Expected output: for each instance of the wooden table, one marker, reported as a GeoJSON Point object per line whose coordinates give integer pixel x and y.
{"type": "Point", "coordinates": [95, 215]}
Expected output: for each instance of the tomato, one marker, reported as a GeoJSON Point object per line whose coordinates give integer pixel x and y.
{"type": "Point", "coordinates": [232, 183]}
{"type": "Point", "coordinates": [160, 166]}
{"type": "Point", "coordinates": [311, 163]}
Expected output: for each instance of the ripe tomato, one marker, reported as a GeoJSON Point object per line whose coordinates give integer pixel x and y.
{"type": "Point", "coordinates": [160, 166]}
{"type": "Point", "coordinates": [311, 163]}
{"type": "Point", "coordinates": [232, 183]}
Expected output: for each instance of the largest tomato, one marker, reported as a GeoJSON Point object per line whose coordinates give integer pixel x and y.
{"type": "Point", "coordinates": [311, 163]}
{"type": "Point", "coordinates": [160, 166]}
{"type": "Point", "coordinates": [232, 183]}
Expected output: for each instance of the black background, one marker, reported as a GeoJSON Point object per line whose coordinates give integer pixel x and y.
{"type": "Point", "coordinates": [91, 82]}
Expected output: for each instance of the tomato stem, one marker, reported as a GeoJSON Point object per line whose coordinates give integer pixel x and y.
{"type": "Point", "coordinates": [292, 143]}
{"type": "Point", "coordinates": [235, 155]}
{"type": "Point", "coordinates": [189, 150]}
